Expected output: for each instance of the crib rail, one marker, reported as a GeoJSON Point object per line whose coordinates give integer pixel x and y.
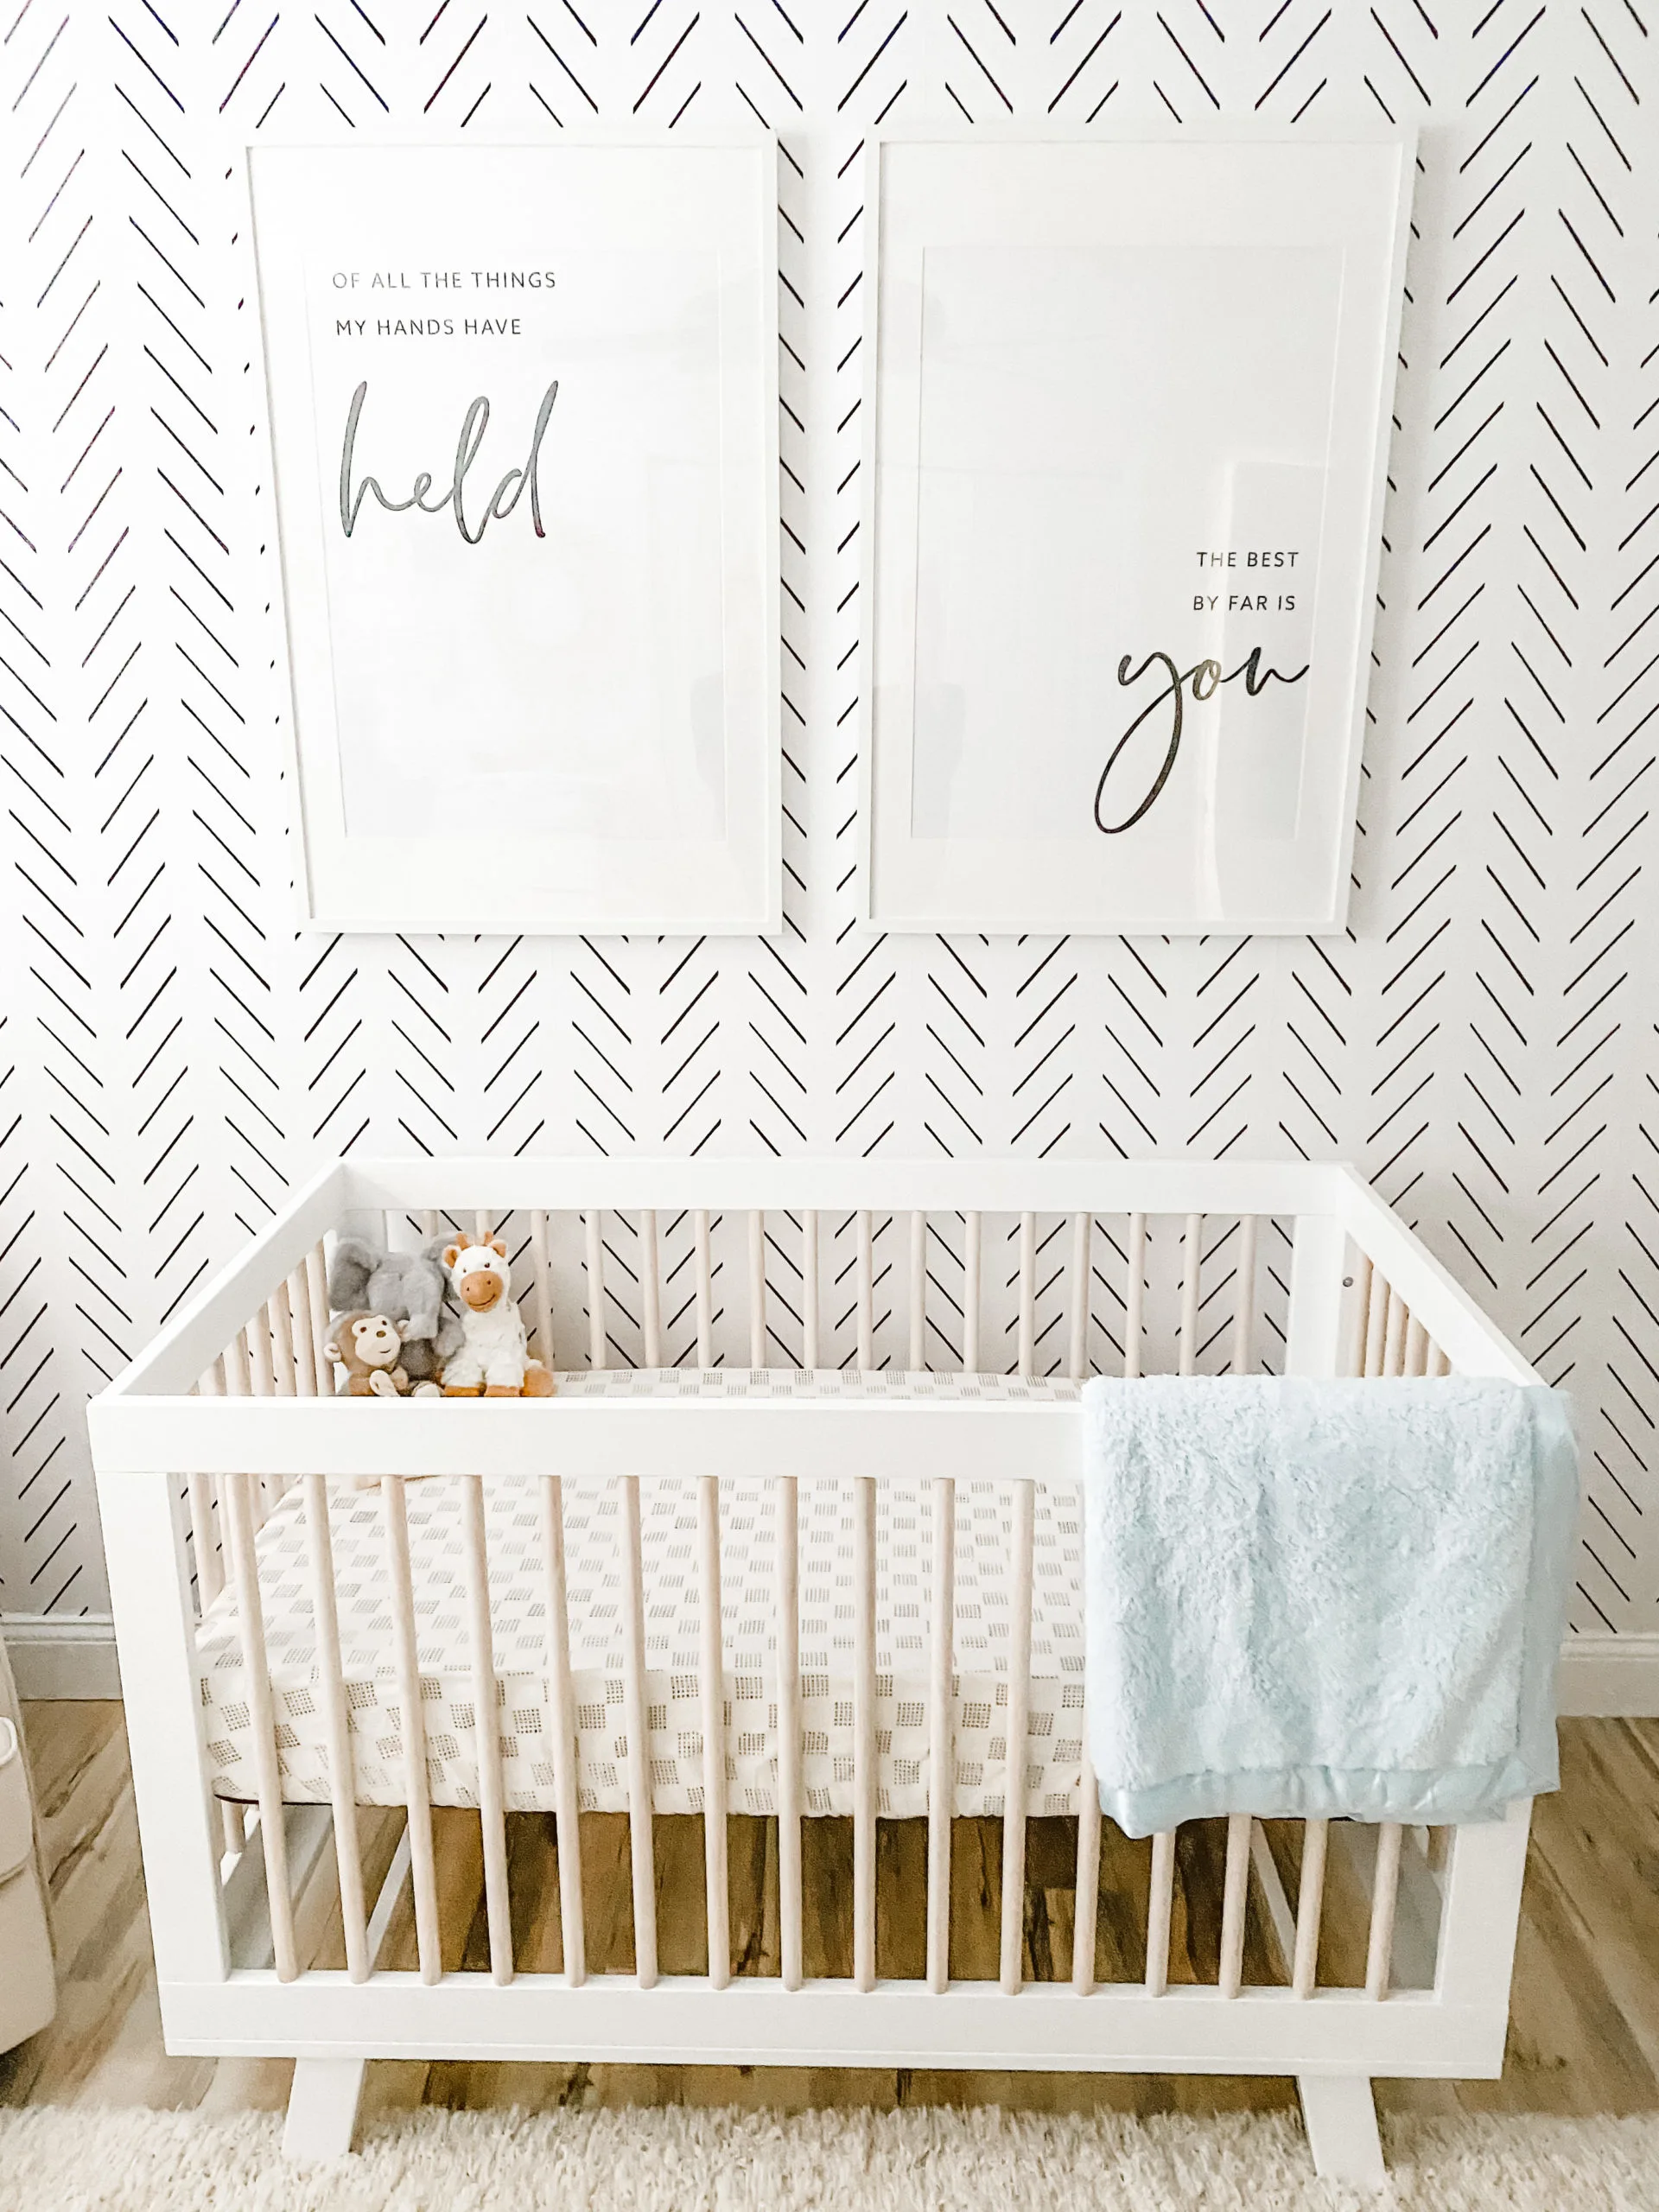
{"type": "Point", "coordinates": [958, 1202]}
{"type": "Point", "coordinates": [1318, 1279]}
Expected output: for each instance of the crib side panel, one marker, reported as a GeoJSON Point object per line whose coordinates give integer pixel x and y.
{"type": "Point", "coordinates": [1201, 1292]}
{"type": "Point", "coordinates": [151, 1597]}
{"type": "Point", "coordinates": [1033, 1293]}
{"type": "Point", "coordinates": [904, 1290]}
{"type": "Point", "coordinates": [781, 1287]}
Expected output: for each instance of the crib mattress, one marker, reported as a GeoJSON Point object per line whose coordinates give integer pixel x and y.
{"type": "Point", "coordinates": [669, 1519]}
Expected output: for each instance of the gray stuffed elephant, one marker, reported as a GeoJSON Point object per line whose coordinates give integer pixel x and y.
{"type": "Point", "coordinates": [411, 1288]}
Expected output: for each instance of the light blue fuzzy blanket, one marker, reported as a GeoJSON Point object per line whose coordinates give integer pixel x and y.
{"type": "Point", "coordinates": [1324, 1598]}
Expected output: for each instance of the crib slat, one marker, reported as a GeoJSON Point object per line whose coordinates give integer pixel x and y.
{"type": "Point", "coordinates": [210, 1571]}
{"type": "Point", "coordinates": [316, 1298]}
{"type": "Point", "coordinates": [233, 1827]}
{"type": "Point", "coordinates": [634, 1718]}
{"type": "Point", "coordinates": [262, 1377]}
{"type": "Point", "coordinates": [970, 1268]}
{"type": "Point", "coordinates": [236, 1497]}
{"type": "Point", "coordinates": [268, 1383]}
{"type": "Point", "coordinates": [1377, 1322]}
{"type": "Point", "coordinates": [304, 1344]}
{"type": "Point", "coordinates": [487, 1731]}
{"type": "Point", "coordinates": [1088, 1894]}
{"type": "Point", "coordinates": [702, 1261]}
{"type": "Point", "coordinates": [864, 1794]}
{"type": "Point", "coordinates": [572, 1925]}
{"type": "Point", "coordinates": [594, 1229]}
{"type": "Point", "coordinates": [1438, 1363]}
{"type": "Point", "coordinates": [1025, 1348]}
{"type": "Point", "coordinates": [1385, 1891]}
{"type": "Point", "coordinates": [651, 1287]}
{"type": "Point", "coordinates": [1310, 1906]}
{"type": "Point", "coordinates": [757, 1289]}
{"type": "Point", "coordinates": [865, 1280]}
{"type": "Point", "coordinates": [917, 1359]}
{"type": "Point", "coordinates": [542, 1264]}
{"type": "Point", "coordinates": [1244, 1297]}
{"type": "Point", "coordinates": [1013, 1800]}
{"type": "Point", "coordinates": [1077, 1362]}
{"type": "Point", "coordinates": [1236, 1883]}
{"type": "Point", "coordinates": [787, 1506]}
{"type": "Point", "coordinates": [941, 1735]}
{"type": "Point", "coordinates": [1393, 1343]}
{"type": "Point", "coordinates": [1416, 1353]}
{"type": "Point", "coordinates": [260, 1365]}
{"type": "Point", "coordinates": [342, 1778]}
{"type": "Point", "coordinates": [1159, 1903]}
{"type": "Point", "coordinates": [238, 1384]}
{"type": "Point", "coordinates": [1191, 1254]}
{"type": "Point", "coordinates": [204, 1536]}
{"type": "Point", "coordinates": [714, 1735]}
{"type": "Point", "coordinates": [809, 1289]}
{"type": "Point", "coordinates": [416, 1797]}
{"type": "Point", "coordinates": [1134, 1293]}
{"type": "Point", "coordinates": [286, 1367]}
{"type": "Point", "coordinates": [1354, 1356]}
{"type": "Point", "coordinates": [299, 1334]}
{"type": "Point", "coordinates": [482, 1228]}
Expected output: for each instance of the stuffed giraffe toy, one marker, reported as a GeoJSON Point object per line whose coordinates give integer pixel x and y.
{"type": "Point", "coordinates": [494, 1359]}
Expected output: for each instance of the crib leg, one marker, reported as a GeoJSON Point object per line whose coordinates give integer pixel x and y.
{"type": "Point", "coordinates": [1341, 2120]}
{"type": "Point", "coordinates": [322, 2109]}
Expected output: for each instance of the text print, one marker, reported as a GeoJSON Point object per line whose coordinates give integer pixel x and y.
{"type": "Point", "coordinates": [501, 502]}
{"type": "Point", "coordinates": [1204, 679]}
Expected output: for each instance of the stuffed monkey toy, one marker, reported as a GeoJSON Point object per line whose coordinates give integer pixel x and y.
{"type": "Point", "coordinates": [368, 1346]}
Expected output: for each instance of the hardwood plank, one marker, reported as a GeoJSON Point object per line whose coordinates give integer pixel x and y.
{"type": "Point", "coordinates": [607, 1892]}
{"type": "Point", "coordinates": [533, 1891]}
{"type": "Point", "coordinates": [752, 1886]}
{"type": "Point", "coordinates": [378, 1831]}
{"type": "Point", "coordinates": [108, 2024]}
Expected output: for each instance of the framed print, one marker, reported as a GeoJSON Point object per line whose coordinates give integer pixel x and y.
{"type": "Point", "coordinates": [1125, 463]}
{"type": "Point", "coordinates": [524, 429]}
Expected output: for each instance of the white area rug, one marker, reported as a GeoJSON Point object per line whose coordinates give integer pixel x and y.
{"type": "Point", "coordinates": [684, 2160]}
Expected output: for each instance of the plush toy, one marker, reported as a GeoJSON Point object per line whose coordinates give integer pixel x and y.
{"type": "Point", "coordinates": [492, 1361]}
{"type": "Point", "coordinates": [410, 1288]}
{"type": "Point", "coordinates": [367, 1346]}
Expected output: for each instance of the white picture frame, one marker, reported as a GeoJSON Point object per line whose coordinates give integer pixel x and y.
{"type": "Point", "coordinates": [1036, 578]}
{"type": "Point", "coordinates": [557, 712]}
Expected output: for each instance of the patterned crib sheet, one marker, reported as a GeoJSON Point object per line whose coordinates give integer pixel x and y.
{"type": "Point", "coordinates": [669, 1522]}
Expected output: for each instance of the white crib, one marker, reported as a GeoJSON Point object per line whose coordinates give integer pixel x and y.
{"type": "Point", "coordinates": [800, 1323]}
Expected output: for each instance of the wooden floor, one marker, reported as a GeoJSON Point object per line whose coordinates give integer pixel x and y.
{"type": "Point", "coordinates": [1584, 2035]}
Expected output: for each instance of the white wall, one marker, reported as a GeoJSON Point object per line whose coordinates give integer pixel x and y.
{"type": "Point", "coordinates": [1483, 1042]}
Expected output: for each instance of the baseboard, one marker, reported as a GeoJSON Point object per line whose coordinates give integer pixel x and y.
{"type": "Point", "coordinates": [61, 1658]}
{"type": "Point", "coordinates": [1600, 1675]}
{"type": "Point", "coordinates": [1609, 1675]}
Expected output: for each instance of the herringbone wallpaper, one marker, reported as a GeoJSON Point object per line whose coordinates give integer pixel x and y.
{"type": "Point", "coordinates": [173, 1054]}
